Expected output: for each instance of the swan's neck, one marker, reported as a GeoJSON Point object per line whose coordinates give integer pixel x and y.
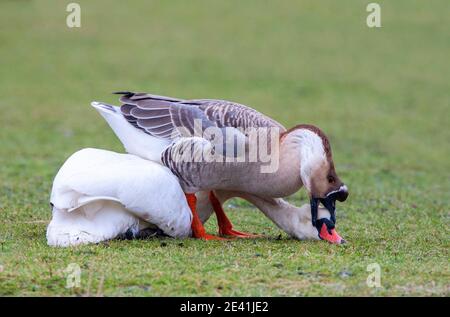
{"type": "Point", "coordinates": [293, 220]}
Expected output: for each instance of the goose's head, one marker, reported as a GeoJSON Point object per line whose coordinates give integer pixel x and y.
{"type": "Point", "coordinates": [317, 170]}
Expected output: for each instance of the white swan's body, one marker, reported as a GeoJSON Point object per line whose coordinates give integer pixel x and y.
{"type": "Point", "coordinates": [99, 194]}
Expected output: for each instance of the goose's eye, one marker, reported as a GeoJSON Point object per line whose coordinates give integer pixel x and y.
{"type": "Point", "coordinates": [330, 179]}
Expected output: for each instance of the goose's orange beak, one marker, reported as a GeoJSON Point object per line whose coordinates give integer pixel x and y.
{"type": "Point", "coordinates": [330, 235]}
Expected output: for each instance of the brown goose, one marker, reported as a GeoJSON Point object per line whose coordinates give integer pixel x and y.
{"type": "Point", "coordinates": [209, 145]}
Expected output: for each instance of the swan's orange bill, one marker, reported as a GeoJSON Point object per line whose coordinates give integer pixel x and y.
{"type": "Point", "coordinates": [334, 237]}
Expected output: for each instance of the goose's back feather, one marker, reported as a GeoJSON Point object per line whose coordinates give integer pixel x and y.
{"type": "Point", "coordinates": [167, 117]}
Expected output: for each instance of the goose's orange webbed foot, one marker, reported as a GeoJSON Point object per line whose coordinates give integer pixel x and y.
{"type": "Point", "coordinates": [234, 233]}
{"type": "Point", "coordinates": [209, 237]}
{"type": "Point", "coordinates": [225, 226]}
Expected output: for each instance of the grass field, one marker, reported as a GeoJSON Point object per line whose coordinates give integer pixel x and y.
{"type": "Point", "coordinates": [382, 96]}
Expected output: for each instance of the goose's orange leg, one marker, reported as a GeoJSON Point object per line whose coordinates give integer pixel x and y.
{"type": "Point", "coordinates": [198, 231]}
{"type": "Point", "coordinates": [225, 226]}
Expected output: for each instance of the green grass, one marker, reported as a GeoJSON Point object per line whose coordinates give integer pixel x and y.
{"type": "Point", "coordinates": [382, 96]}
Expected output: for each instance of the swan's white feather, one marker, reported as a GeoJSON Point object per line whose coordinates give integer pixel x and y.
{"type": "Point", "coordinates": [92, 182]}
{"type": "Point", "coordinates": [92, 223]}
{"type": "Point", "coordinates": [84, 200]}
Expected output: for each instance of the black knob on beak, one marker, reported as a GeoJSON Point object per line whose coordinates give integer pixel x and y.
{"type": "Point", "coordinates": [342, 193]}
{"type": "Point", "coordinates": [329, 202]}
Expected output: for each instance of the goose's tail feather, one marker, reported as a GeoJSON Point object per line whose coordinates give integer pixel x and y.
{"type": "Point", "coordinates": [100, 106]}
{"type": "Point", "coordinates": [134, 140]}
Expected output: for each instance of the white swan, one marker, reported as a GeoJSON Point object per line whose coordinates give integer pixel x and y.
{"type": "Point", "coordinates": [99, 194]}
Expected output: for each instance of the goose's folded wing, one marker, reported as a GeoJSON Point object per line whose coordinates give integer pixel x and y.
{"type": "Point", "coordinates": [231, 114]}
{"type": "Point", "coordinates": [167, 117]}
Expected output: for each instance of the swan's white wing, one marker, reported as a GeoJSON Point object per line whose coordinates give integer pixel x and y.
{"type": "Point", "coordinates": [86, 200]}
{"type": "Point", "coordinates": [146, 189]}
{"type": "Point", "coordinates": [97, 221]}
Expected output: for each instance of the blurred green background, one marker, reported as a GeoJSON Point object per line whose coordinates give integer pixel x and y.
{"type": "Point", "coordinates": [381, 95]}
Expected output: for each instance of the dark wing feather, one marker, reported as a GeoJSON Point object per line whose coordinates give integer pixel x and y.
{"type": "Point", "coordinates": [141, 95]}
{"type": "Point", "coordinates": [166, 117]}
{"type": "Point", "coordinates": [231, 114]}
{"type": "Point", "coordinates": [126, 109]}
{"type": "Point", "coordinates": [145, 114]}
{"type": "Point", "coordinates": [162, 118]}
